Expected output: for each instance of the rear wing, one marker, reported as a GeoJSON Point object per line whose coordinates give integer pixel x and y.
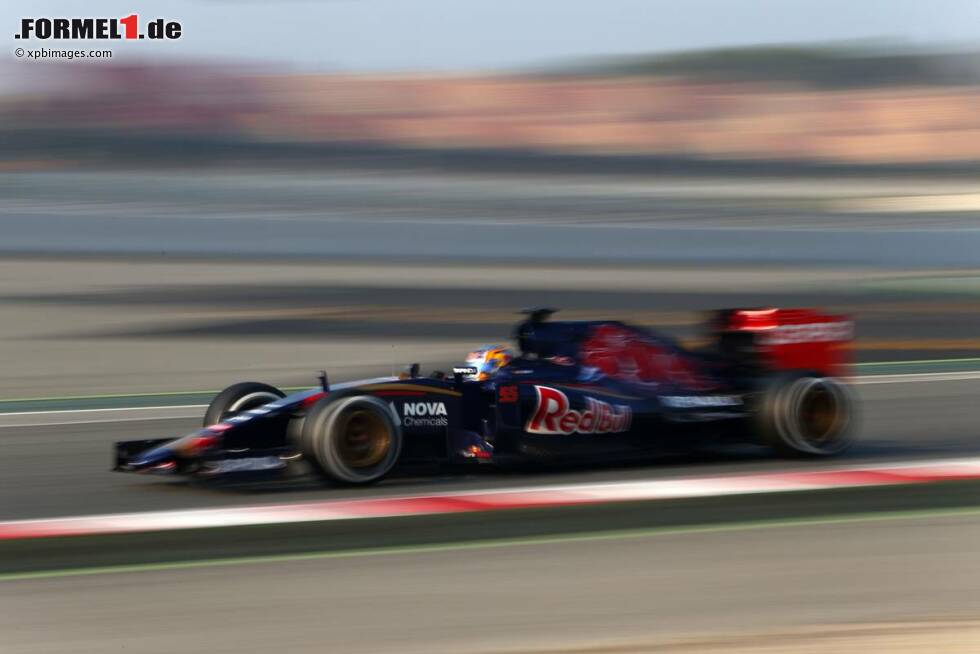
{"type": "Point", "coordinates": [787, 339]}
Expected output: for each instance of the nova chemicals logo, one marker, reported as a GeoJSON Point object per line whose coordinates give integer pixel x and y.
{"type": "Point", "coordinates": [424, 414]}
{"type": "Point", "coordinates": [98, 29]}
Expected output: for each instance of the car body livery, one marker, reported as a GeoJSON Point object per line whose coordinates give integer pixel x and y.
{"type": "Point", "coordinates": [577, 391]}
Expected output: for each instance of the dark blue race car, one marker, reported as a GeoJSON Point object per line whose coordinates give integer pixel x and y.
{"type": "Point", "coordinates": [574, 391]}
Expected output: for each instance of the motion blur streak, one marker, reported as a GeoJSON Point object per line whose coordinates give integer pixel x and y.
{"type": "Point", "coordinates": [183, 217]}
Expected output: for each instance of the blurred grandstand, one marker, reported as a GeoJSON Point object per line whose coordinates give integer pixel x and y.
{"type": "Point", "coordinates": [815, 105]}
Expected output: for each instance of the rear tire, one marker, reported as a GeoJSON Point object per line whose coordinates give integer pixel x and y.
{"type": "Point", "coordinates": [806, 414]}
{"type": "Point", "coordinates": [353, 440]}
{"type": "Point", "coordinates": [239, 398]}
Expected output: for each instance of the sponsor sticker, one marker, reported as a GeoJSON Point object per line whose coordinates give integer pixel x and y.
{"type": "Point", "coordinates": [554, 415]}
{"type": "Point", "coordinates": [508, 394]}
{"type": "Point", "coordinates": [812, 333]}
{"type": "Point", "coordinates": [424, 414]}
{"type": "Point", "coordinates": [699, 401]}
{"type": "Point", "coordinates": [252, 464]}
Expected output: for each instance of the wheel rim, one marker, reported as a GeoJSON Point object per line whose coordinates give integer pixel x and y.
{"type": "Point", "coordinates": [820, 416]}
{"type": "Point", "coordinates": [364, 439]}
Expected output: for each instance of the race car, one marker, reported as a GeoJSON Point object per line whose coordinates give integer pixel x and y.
{"type": "Point", "coordinates": [574, 391]}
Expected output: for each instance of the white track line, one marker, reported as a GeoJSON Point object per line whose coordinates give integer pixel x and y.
{"type": "Point", "coordinates": [98, 416]}
{"type": "Point", "coordinates": [910, 378]}
{"type": "Point", "coordinates": [106, 410]}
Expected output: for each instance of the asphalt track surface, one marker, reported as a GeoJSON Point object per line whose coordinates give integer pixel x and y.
{"type": "Point", "coordinates": [84, 326]}
{"type": "Point", "coordinates": [63, 469]}
{"type": "Point", "coordinates": [513, 218]}
{"type": "Point", "coordinates": [612, 595]}
{"type": "Point", "coordinates": [426, 239]}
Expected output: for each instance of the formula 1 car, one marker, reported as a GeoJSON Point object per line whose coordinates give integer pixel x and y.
{"type": "Point", "coordinates": [576, 391]}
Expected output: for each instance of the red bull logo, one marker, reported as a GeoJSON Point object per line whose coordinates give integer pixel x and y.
{"type": "Point", "coordinates": [554, 415]}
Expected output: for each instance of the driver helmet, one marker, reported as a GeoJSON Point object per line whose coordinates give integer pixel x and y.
{"type": "Point", "coordinates": [488, 360]}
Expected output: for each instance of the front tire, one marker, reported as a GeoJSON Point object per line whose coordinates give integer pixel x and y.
{"type": "Point", "coordinates": [239, 398]}
{"type": "Point", "coordinates": [806, 414]}
{"type": "Point", "coordinates": [354, 440]}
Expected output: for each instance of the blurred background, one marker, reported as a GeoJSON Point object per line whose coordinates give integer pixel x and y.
{"type": "Point", "coordinates": [360, 184]}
